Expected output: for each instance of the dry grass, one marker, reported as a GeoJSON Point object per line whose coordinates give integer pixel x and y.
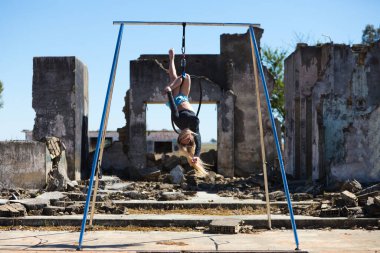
{"type": "Point", "coordinates": [207, 147]}
{"type": "Point", "coordinates": [96, 228]}
{"type": "Point", "coordinates": [201, 211]}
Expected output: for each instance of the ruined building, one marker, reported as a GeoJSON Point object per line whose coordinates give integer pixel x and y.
{"type": "Point", "coordinates": [332, 112]}
{"type": "Point", "coordinates": [60, 99]}
{"type": "Point", "coordinates": [227, 80]}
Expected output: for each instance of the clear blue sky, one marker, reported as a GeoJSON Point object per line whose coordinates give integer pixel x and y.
{"type": "Point", "coordinates": [84, 29]}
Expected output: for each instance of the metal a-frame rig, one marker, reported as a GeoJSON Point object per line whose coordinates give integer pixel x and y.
{"type": "Point", "coordinates": [257, 69]}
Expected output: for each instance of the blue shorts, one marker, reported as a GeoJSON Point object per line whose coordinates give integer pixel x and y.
{"type": "Point", "coordinates": [179, 99]}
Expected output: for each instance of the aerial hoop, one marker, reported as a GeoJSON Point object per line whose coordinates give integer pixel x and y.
{"type": "Point", "coordinates": [183, 74]}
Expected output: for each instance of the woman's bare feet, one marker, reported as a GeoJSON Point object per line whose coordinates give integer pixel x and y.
{"type": "Point", "coordinates": [172, 70]}
{"type": "Point", "coordinates": [171, 54]}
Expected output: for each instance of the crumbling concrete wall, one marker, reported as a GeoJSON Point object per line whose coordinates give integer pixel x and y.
{"type": "Point", "coordinates": [227, 80]}
{"type": "Point", "coordinates": [60, 99]}
{"type": "Point", "coordinates": [23, 164]}
{"type": "Point", "coordinates": [332, 112]}
{"type": "Point", "coordinates": [114, 159]}
{"type": "Point", "coordinates": [237, 56]}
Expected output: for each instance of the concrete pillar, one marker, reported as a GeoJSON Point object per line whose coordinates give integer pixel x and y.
{"type": "Point", "coordinates": [60, 99]}
{"type": "Point", "coordinates": [226, 135]}
{"type": "Point", "coordinates": [147, 80]}
{"type": "Point", "coordinates": [136, 134]}
{"type": "Point", "coordinates": [236, 54]}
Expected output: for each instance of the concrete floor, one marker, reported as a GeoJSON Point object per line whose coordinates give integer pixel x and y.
{"type": "Point", "coordinates": [116, 241]}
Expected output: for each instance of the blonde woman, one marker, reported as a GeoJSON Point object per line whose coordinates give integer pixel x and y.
{"type": "Point", "coordinates": [189, 139]}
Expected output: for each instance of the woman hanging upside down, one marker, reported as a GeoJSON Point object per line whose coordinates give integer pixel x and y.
{"type": "Point", "coordinates": [189, 139]}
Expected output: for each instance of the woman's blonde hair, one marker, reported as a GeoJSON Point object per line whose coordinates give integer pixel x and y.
{"type": "Point", "coordinates": [188, 151]}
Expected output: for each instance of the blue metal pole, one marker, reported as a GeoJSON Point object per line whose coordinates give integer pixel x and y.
{"type": "Point", "coordinates": [283, 174]}
{"type": "Point", "coordinates": [100, 134]}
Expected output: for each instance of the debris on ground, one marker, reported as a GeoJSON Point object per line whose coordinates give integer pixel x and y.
{"type": "Point", "coordinates": [225, 226]}
{"type": "Point", "coordinates": [57, 176]}
{"type": "Point", "coordinates": [171, 179]}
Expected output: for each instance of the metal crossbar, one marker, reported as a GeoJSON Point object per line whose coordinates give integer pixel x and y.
{"type": "Point", "coordinates": [187, 23]}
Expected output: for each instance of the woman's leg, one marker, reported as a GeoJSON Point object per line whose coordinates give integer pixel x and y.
{"type": "Point", "coordinates": [183, 87]}
{"type": "Point", "coordinates": [186, 86]}
{"type": "Point", "coordinates": [172, 69]}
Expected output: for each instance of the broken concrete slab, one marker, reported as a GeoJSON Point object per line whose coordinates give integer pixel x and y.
{"type": "Point", "coordinates": [169, 196]}
{"type": "Point", "coordinates": [75, 208]}
{"type": "Point", "coordinates": [372, 210]}
{"type": "Point", "coordinates": [33, 204]}
{"type": "Point", "coordinates": [225, 226]}
{"type": "Point", "coordinates": [362, 199]}
{"type": "Point", "coordinates": [165, 187]}
{"type": "Point", "coordinates": [377, 201]}
{"type": "Point", "coordinates": [53, 210]}
{"type": "Point", "coordinates": [150, 174]}
{"type": "Point", "coordinates": [349, 198]}
{"type": "Point", "coordinates": [3, 201]}
{"type": "Point", "coordinates": [136, 195]}
{"type": "Point", "coordinates": [12, 210]}
{"type": "Point", "coordinates": [276, 195]}
{"type": "Point", "coordinates": [55, 195]}
{"type": "Point", "coordinates": [170, 162]}
{"type": "Point", "coordinates": [57, 178]}
{"type": "Point", "coordinates": [352, 211]}
{"type": "Point", "coordinates": [330, 212]}
{"type": "Point", "coordinates": [370, 189]}
{"type": "Point", "coordinates": [370, 201]}
{"type": "Point", "coordinates": [177, 175]}
{"type": "Point", "coordinates": [54, 145]}
{"type": "Point", "coordinates": [75, 196]}
{"type": "Point", "coordinates": [351, 186]}
{"type": "Point", "coordinates": [110, 208]}
{"type": "Point", "coordinates": [121, 186]}
{"type": "Point", "coordinates": [72, 185]}
{"type": "Point", "coordinates": [301, 196]}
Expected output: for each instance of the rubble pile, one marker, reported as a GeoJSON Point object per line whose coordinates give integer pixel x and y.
{"type": "Point", "coordinates": [172, 179]}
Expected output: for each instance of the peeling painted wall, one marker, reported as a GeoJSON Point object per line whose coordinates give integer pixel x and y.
{"type": "Point", "coordinates": [332, 106]}
{"type": "Point", "coordinates": [23, 164]}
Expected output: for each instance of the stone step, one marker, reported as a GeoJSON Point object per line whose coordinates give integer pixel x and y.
{"type": "Point", "coordinates": [169, 205]}
{"type": "Point", "coordinates": [104, 181]}
{"type": "Point", "coordinates": [74, 196]}
{"type": "Point", "coordinates": [12, 210]}
{"type": "Point", "coordinates": [192, 221]}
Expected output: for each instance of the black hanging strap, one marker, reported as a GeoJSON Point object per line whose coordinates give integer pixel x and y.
{"type": "Point", "coordinates": [183, 49]}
